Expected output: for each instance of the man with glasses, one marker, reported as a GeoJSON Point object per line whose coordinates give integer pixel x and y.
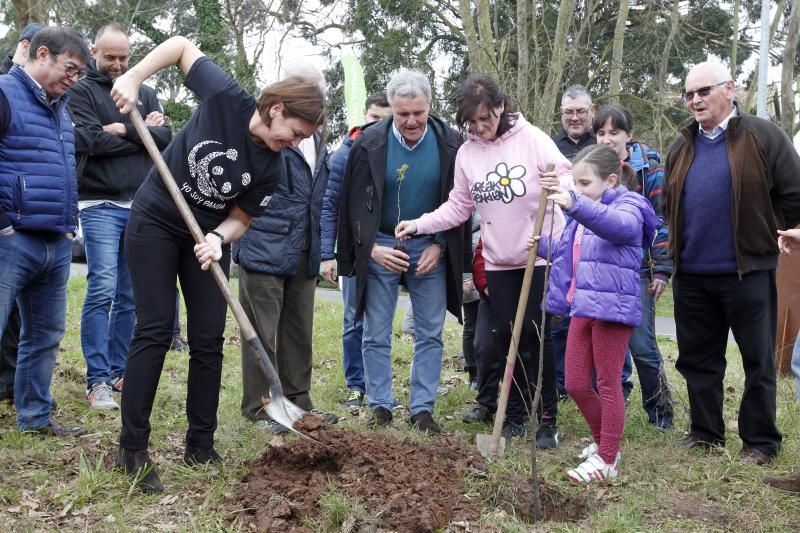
{"type": "Point", "coordinates": [577, 112]}
{"type": "Point", "coordinates": [38, 213]}
{"type": "Point", "coordinates": [9, 344]}
{"type": "Point", "coordinates": [116, 165]}
{"type": "Point", "coordinates": [732, 181]}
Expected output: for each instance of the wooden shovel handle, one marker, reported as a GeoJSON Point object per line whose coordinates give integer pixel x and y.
{"type": "Point", "coordinates": [522, 305]}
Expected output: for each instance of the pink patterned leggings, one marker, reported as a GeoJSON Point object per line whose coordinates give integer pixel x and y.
{"type": "Point", "coordinates": [600, 346]}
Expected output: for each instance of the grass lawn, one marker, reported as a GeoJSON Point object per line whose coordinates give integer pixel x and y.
{"type": "Point", "coordinates": [49, 484]}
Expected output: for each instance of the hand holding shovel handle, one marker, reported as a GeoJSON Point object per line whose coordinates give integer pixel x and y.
{"type": "Point", "coordinates": [513, 347]}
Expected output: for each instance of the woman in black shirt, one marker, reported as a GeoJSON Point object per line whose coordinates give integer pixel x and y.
{"type": "Point", "coordinates": [226, 161]}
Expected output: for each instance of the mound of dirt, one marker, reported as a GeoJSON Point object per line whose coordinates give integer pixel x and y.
{"type": "Point", "coordinates": [402, 486]}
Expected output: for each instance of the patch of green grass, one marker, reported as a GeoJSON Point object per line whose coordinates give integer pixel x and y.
{"type": "Point", "coordinates": [656, 481]}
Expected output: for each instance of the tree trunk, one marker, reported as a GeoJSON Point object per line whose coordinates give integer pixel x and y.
{"type": "Point", "coordinates": [486, 45]}
{"type": "Point", "coordinates": [751, 91]}
{"type": "Point", "coordinates": [28, 11]}
{"type": "Point", "coordinates": [735, 38]}
{"type": "Point", "coordinates": [787, 72]}
{"type": "Point", "coordinates": [476, 64]}
{"type": "Point", "coordinates": [523, 68]}
{"type": "Point", "coordinates": [675, 17]}
{"type": "Point", "coordinates": [619, 48]}
{"type": "Point", "coordinates": [544, 115]}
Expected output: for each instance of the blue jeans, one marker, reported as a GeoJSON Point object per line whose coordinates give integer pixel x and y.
{"type": "Point", "coordinates": [35, 270]}
{"type": "Point", "coordinates": [656, 398]}
{"type": "Point", "coordinates": [108, 314]}
{"type": "Point", "coordinates": [429, 300]}
{"type": "Point", "coordinates": [352, 332]}
{"type": "Point", "coordinates": [796, 364]}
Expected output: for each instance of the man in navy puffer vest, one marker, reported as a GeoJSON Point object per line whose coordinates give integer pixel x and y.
{"type": "Point", "coordinates": [38, 213]}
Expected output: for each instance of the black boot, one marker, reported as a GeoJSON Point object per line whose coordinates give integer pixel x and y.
{"type": "Point", "coordinates": [138, 466]}
{"type": "Point", "coordinates": [201, 455]}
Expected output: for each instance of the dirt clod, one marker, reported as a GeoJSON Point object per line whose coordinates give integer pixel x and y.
{"type": "Point", "coordinates": [401, 486]}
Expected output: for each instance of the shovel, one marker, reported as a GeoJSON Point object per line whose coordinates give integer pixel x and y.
{"type": "Point", "coordinates": [493, 445]}
{"type": "Point", "coordinates": [278, 408]}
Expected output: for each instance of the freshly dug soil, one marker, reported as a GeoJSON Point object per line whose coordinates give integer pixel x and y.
{"type": "Point", "coordinates": [401, 486]}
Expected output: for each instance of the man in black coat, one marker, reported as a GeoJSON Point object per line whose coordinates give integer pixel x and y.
{"type": "Point", "coordinates": [402, 167]}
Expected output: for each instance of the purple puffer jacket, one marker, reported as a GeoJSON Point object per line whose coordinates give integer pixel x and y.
{"type": "Point", "coordinates": [615, 230]}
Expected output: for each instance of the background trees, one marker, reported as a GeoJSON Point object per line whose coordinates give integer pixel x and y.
{"type": "Point", "coordinates": [635, 52]}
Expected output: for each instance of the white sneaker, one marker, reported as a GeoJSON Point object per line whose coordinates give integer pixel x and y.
{"type": "Point", "coordinates": [595, 469]}
{"type": "Point", "coordinates": [100, 397]}
{"type": "Point", "coordinates": [589, 451]}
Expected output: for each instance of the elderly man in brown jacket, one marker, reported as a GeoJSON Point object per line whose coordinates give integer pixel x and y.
{"type": "Point", "coordinates": [732, 180]}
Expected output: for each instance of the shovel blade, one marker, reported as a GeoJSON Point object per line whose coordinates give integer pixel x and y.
{"type": "Point", "coordinates": [285, 413]}
{"type": "Point", "coordinates": [486, 445]}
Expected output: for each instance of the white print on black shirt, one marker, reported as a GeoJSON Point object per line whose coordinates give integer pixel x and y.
{"type": "Point", "coordinates": [208, 177]}
{"type": "Point", "coordinates": [502, 183]}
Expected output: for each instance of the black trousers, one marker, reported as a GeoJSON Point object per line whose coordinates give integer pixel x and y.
{"type": "Point", "coordinates": [504, 292]}
{"type": "Point", "coordinates": [468, 337]}
{"type": "Point", "coordinates": [155, 258]}
{"type": "Point", "coordinates": [706, 308]}
{"type": "Point", "coordinates": [9, 345]}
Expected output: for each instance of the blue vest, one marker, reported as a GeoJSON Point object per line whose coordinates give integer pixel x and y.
{"type": "Point", "coordinates": [38, 187]}
{"type": "Point", "coordinates": [290, 223]}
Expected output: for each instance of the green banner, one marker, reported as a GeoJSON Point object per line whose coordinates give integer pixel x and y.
{"type": "Point", "coordinates": [355, 90]}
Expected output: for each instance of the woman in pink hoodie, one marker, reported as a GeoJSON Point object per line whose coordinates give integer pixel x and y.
{"type": "Point", "coordinates": [500, 171]}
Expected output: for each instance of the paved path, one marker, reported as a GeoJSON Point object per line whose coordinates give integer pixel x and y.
{"type": "Point", "coordinates": [665, 326]}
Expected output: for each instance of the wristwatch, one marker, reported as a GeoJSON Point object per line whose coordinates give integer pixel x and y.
{"type": "Point", "coordinates": [219, 235]}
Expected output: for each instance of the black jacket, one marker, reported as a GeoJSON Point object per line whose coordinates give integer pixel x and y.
{"type": "Point", "coordinates": [110, 167]}
{"type": "Point", "coordinates": [290, 223]}
{"type": "Point", "coordinates": [6, 66]}
{"type": "Point", "coordinates": [361, 200]}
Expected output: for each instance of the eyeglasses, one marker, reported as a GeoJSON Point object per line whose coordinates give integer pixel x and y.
{"type": "Point", "coordinates": [702, 92]}
{"type": "Point", "coordinates": [567, 113]}
{"type": "Point", "coordinates": [71, 69]}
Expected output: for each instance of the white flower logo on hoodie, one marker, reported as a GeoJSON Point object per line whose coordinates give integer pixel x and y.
{"type": "Point", "coordinates": [508, 181]}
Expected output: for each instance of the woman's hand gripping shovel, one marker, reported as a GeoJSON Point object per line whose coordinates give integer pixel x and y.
{"type": "Point", "coordinates": [493, 445]}
{"type": "Point", "coordinates": [278, 408]}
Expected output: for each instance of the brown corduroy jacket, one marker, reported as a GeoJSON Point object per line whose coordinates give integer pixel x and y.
{"type": "Point", "coordinates": [765, 170]}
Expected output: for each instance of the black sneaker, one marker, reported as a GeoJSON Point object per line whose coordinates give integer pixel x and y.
{"type": "Point", "coordinates": [138, 466]}
{"type": "Point", "coordinates": [547, 435]}
{"type": "Point", "coordinates": [201, 455]}
{"type": "Point", "coordinates": [478, 413]}
{"type": "Point", "coordinates": [423, 421]}
{"type": "Point", "coordinates": [270, 426]}
{"type": "Point", "coordinates": [381, 417]}
{"type": "Point", "coordinates": [513, 429]}
{"type": "Point", "coordinates": [178, 345]}
{"type": "Point", "coordinates": [355, 398]}
{"type": "Point", "coordinates": [329, 418]}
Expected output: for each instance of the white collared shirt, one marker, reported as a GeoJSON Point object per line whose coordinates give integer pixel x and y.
{"type": "Point", "coordinates": [402, 140]}
{"type": "Point", "coordinates": [716, 132]}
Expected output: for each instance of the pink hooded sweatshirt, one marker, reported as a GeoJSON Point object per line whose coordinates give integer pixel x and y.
{"type": "Point", "coordinates": [501, 180]}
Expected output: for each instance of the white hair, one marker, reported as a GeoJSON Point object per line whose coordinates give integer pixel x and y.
{"type": "Point", "coordinates": [721, 72]}
{"type": "Point", "coordinates": [407, 83]}
{"type": "Point", "coordinates": [306, 71]}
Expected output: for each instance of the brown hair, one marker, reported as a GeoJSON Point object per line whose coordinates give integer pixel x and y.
{"type": "Point", "coordinates": [301, 98]}
{"type": "Point", "coordinates": [605, 161]}
{"type": "Point", "coordinates": [480, 89]}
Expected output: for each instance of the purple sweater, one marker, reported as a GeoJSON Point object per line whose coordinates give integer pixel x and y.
{"type": "Point", "coordinates": [706, 203]}
{"type": "Point", "coordinates": [607, 280]}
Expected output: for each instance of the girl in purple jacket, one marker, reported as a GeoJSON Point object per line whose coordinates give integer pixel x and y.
{"type": "Point", "coordinates": [595, 280]}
